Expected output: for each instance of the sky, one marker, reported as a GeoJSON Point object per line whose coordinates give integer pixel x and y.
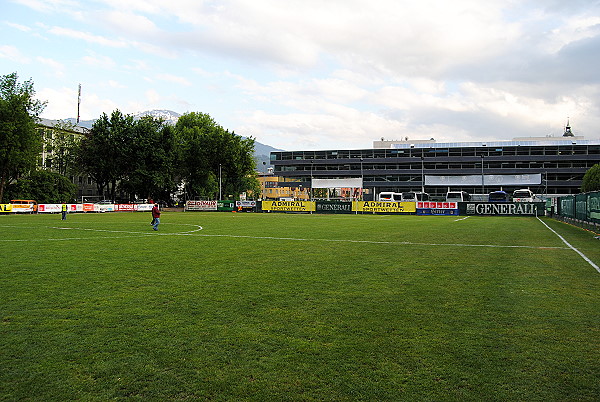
{"type": "Point", "coordinates": [318, 75]}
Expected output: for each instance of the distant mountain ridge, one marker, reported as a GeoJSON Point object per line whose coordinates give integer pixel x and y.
{"type": "Point", "coordinates": [261, 151]}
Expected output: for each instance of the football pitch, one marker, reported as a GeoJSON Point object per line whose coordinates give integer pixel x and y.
{"type": "Point", "coordinates": [242, 306]}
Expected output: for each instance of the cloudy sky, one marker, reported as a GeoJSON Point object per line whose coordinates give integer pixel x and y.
{"type": "Point", "coordinates": [307, 74]}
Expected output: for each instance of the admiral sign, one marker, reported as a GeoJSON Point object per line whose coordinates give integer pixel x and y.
{"type": "Point", "coordinates": [384, 206]}
{"type": "Point", "coordinates": [289, 206]}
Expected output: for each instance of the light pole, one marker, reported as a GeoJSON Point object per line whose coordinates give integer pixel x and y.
{"type": "Point", "coordinates": [362, 179]}
{"type": "Point", "coordinates": [220, 187]}
{"type": "Point", "coordinates": [311, 180]}
{"type": "Point", "coordinates": [422, 174]}
{"type": "Point", "coordinates": [482, 180]}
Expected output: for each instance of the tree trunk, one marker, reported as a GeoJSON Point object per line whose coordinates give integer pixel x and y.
{"type": "Point", "coordinates": [2, 185]}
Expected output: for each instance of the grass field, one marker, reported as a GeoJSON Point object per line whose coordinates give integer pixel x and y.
{"type": "Point", "coordinates": [230, 306]}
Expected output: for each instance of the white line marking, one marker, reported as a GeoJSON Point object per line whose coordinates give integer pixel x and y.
{"type": "Point", "coordinates": [134, 234]}
{"type": "Point", "coordinates": [462, 219]}
{"type": "Point", "coordinates": [571, 247]}
{"type": "Point", "coordinates": [404, 243]}
{"type": "Point", "coordinates": [199, 228]}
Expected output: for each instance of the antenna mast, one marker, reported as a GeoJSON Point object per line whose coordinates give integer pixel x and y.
{"type": "Point", "coordinates": [78, 102]}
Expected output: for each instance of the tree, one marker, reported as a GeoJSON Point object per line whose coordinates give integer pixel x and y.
{"type": "Point", "coordinates": [209, 154]}
{"type": "Point", "coordinates": [44, 187]}
{"type": "Point", "coordinates": [20, 141]}
{"type": "Point", "coordinates": [591, 179]}
{"type": "Point", "coordinates": [102, 153]}
{"type": "Point", "coordinates": [151, 160]}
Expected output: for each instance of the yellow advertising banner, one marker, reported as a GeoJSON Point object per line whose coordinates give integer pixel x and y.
{"type": "Point", "coordinates": [384, 206]}
{"type": "Point", "coordinates": [288, 206]}
{"type": "Point", "coordinates": [5, 207]}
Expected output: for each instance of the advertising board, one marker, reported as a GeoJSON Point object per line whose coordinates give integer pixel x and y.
{"type": "Point", "coordinates": [50, 208]}
{"type": "Point", "coordinates": [384, 206]}
{"type": "Point", "coordinates": [437, 208]}
{"type": "Point", "coordinates": [288, 206]}
{"type": "Point", "coordinates": [23, 208]}
{"type": "Point", "coordinates": [333, 207]}
{"type": "Point", "coordinates": [126, 207]}
{"type": "Point", "coordinates": [245, 204]}
{"type": "Point", "coordinates": [57, 208]}
{"type": "Point", "coordinates": [201, 206]}
{"type": "Point", "coordinates": [505, 208]}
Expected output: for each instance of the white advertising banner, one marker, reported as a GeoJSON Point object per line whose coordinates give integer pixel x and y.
{"type": "Point", "coordinates": [201, 206]}
{"type": "Point", "coordinates": [104, 207]}
{"type": "Point", "coordinates": [17, 208]}
{"type": "Point", "coordinates": [488, 180]}
{"type": "Point", "coordinates": [144, 207]}
{"type": "Point", "coordinates": [338, 183]}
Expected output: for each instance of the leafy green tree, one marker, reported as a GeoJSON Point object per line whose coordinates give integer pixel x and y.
{"type": "Point", "coordinates": [151, 160]}
{"type": "Point", "coordinates": [209, 154]}
{"type": "Point", "coordinates": [20, 141]}
{"type": "Point", "coordinates": [103, 152]}
{"type": "Point", "coordinates": [591, 179]}
{"type": "Point", "coordinates": [44, 187]}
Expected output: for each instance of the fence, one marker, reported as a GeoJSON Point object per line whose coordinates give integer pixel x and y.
{"type": "Point", "coordinates": [582, 210]}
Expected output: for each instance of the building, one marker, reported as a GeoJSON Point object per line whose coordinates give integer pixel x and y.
{"type": "Point", "coordinates": [545, 165]}
{"type": "Point", "coordinates": [58, 139]}
{"type": "Point", "coordinates": [275, 188]}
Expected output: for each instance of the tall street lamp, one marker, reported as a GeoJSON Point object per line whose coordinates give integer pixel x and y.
{"type": "Point", "coordinates": [362, 179]}
{"type": "Point", "coordinates": [220, 186]}
{"type": "Point", "coordinates": [482, 178]}
{"type": "Point", "coordinates": [311, 180]}
{"type": "Point", "coordinates": [422, 174]}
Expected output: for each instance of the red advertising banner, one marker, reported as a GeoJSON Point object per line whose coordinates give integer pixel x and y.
{"type": "Point", "coordinates": [436, 205]}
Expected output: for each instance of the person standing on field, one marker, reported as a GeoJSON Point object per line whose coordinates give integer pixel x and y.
{"type": "Point", "coordinates": [155, 216]}
{"type": "Point", "coordinates": [64, 212]}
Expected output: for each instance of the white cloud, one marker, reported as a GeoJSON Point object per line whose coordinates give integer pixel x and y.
{"type": "Point", "coordinates": [99, 61]}
{"type": "Point", "coordinates": [20, 27]}
{"type": "Point", "coordinates": [86, 36]}
{"type": "Point", "coordinates": [174, 79]}
{"type": "Point", "coordinates": [115, 84]}
{"type": "Point", "coordinates": [339, 73]}
{"type": "Point", "coordinates": [13, 54]}
{"type": "Point", "coordinates": [57, 67]}
{"type": "Point", "coordinates": [153, 97]}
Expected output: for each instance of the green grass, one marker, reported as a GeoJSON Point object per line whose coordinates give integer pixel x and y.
{"type": "Point", "coordinates": [296, 307]}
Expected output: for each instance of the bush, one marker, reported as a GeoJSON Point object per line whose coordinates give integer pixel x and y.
{"type": "Point", "coordinates": [44, 187]}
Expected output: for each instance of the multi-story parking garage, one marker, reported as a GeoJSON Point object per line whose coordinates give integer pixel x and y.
{"type": "Point", "coordinates": [547, 165]}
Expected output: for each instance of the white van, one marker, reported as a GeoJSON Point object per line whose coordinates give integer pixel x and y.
{"type": "Point", "coordinates": [409, 196]}
{"type": "Point", "coordinates": [457, 196]}
{"type": "Point", "coordinates": [389, 196]}
{"type": "Point", "coordinates": [523, 195]}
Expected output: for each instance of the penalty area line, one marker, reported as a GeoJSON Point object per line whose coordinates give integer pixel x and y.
{"type": "Point", "coordinates": [570, 246]}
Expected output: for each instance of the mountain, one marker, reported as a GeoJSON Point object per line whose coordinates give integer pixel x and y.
{"type": "Point", "coordinates": [261, 151]}
{"type": "Point", "coordinates": [167, 115]}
